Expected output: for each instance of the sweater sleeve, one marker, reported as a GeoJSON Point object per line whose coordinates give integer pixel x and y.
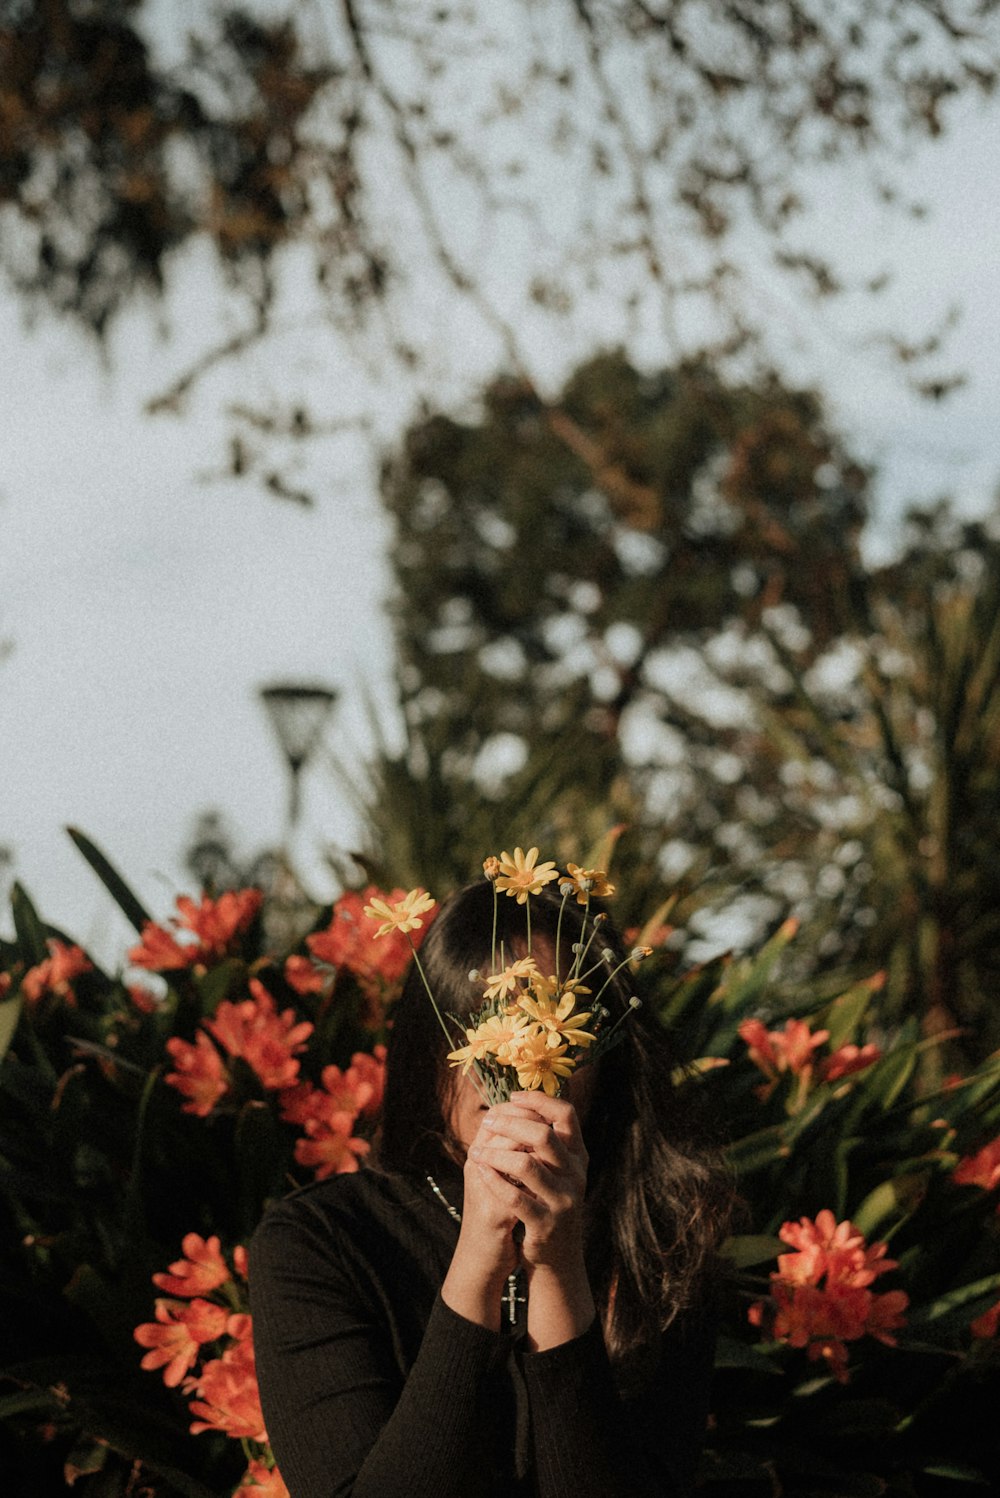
{"type": "Point", "coordinates": [589, 1442]}
{"type": "Point", "coordinates": [342, 1420]}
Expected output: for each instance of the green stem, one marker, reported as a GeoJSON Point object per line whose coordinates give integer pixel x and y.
{"type": "Point", "coordinates": [562, 907]}
{"type": "Point", "coordinates": [493, 944]}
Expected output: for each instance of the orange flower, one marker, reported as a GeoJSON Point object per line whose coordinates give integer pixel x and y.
{"type": "Point", "coordinates": [820, 1297]}
{"type": "Point", "coordinates": [981, 1169]}
{"type": "Point", "coordinates": [778, 1051]}
{"type": "Point", "coordinates": [212, 926]}
{"type": "Point", "coordinates": [200, 1076]}
{"type": "Point", "coordinates": [986, 1325]}
{"type": "Point", "coordinates": [343, 1093]}
{"type": "Point", "coordinates": [56, 974]}
{"type": "Point", "coordinates": [176, 1336]}
{"type": "Point", "coordinates": [229, 1400]}
{"type": "Point", "coordinates": [302, 976]}
{"type": "Point", "coordinates": [349, 942]}
{"type": "Point", "coordinates": [261, 1481]}
{"type": "Point", "coordinates": [847, 1059]}
{"type": "Point", "coordinates": [267, 1041]}
{"type": "Point", "coordinates": [217, 923]}
{"type": "Point", "coordinates": [202, 1270]}
{"type": "Point", "coordinates": [329, 1150]}
{"type": "Point", "coordinates": [371, 1069]}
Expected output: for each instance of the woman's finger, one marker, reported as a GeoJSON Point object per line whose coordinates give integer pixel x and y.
{"type": "Point", "coordinates": [529, 1133]}
{"type": "Point", "coordinates": [555, 1111]}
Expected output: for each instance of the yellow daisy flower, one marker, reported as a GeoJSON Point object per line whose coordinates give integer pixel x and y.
{"type": "Point", "coordinates": [503, 984]}
{"type": "Point", "coordinates": [540, 1067]}
{"type": "Point", "coordinates": [584, 883]}
{"type": "Point", "coordinates": [492, 1037]}
{"type": "Point", "coordinates": [558, 1021]}
{"type": "Point", "coordinates": [522, 875]}
{"type": "Point", "coordinates": [403, 915]}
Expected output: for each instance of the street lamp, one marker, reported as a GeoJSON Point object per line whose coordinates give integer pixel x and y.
{"type": "Point", "coordinates": [298, 714]}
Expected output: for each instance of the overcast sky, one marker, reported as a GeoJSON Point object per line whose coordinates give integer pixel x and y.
{"type": "Point", "coordinates": [146, 607]}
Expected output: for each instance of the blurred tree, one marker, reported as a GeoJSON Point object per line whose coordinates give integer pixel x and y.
{"type": "Point", "coordinates": [552, 560]}
{"type": "Point", "coordinates": [605, 145]}
{"type": "Point", "coordinates": [647, 604]}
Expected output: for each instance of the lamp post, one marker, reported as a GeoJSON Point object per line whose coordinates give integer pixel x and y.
{"type": "Point", "coordinates": [298, 714]}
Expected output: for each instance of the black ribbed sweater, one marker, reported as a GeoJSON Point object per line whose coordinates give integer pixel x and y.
{"type": "Point", "coordinates": [373, 1388]}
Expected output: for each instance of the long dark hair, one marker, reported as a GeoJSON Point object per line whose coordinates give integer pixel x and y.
{"type": "Point", "coordinates": [658, 1196]}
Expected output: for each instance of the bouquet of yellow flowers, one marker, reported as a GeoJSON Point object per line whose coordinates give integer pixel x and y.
{"type": "Point", "coordinates": [534, 1028]}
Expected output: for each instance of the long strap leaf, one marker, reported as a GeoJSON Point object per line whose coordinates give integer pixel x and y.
{"type": "Point", "coordinates": [130, 904]}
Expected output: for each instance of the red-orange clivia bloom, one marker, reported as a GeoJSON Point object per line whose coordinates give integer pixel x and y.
{"type": "Point", "coordinates": [261, 1481]}
{"type": "Point", "coordinates": [821, 1296]}
{"type": "Point", "coordinates": [349, 940]}
{"type": "Point", "coordinates": [846, 1060]}
{"type": "Point", "coordinates": [790, 1049]}
{"type": "Point", "coordinates": [268, 1042]}
{"type": "Point", "coordinates": [57, 973]}
{"type": "Point", "coordinates": [981, 1169]}
{"type": "Point", "coordinates": [208, 931]}
{"type": "Point", "coordinates": [176, 1336]}
{"type": "Point", "coordinates": [228, 1396]}
{"type": "Point", "coordinates": [302, 976]}
{"type": "Point", "coordinates": [987, 1324]}
{"type": "Point", "coordinates": [202, 1269]}
{"type": "Point", "coordinates": [329, 1148]}
{"type": "Point", "coordinates": [201, 1075]}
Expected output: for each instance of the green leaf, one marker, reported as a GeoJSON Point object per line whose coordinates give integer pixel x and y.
{"type": "Point", "coordinates": [730, 1353]}
{"type": "Point", "coordinates": [890, 1203]}
{"type": "Point", "coordinates": [760, 1148]}
{"type": "Point", "coordinates": [751, 1248]}
{"type": "Point", "coordinates": [745, 979]}
{"type": "Point", "coordinates": [957, 1473]}
{"type": "Point", "coordinates": [128, 903]}
{"type": "Point", "coordinates": [956, 1300]}
{"type": "Point", "coordinates": [25, 1402]}
{"type": "Point", "coordinates": [846, 1013]}
{"type": "Point", "coordinates": [29, 927]}
{"type": "Point", "coordinates": [226, 980]}
{"type": "Point", "coordinates": [10, 1013]}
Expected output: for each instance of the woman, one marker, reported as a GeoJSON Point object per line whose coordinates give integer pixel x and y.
{"type": "Point", "coordinates": [515, 1300]}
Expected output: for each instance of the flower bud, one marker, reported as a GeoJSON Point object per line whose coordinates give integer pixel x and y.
{"type": "Point", "coordinates": [491, 867]}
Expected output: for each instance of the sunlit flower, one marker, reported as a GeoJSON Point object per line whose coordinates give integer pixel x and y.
{"type": "Point", "coordinates": [229, 1400]}
{"type": "Point", "coordinates": [268, 1042]}
{"type": "Point", "coordinates": [493, 1036]}
{"type": "Point", "coordinates": [200, 1075]}
{"type": "Point", "coordinates": [500, 985]}
{"type": "Point", "coordinates": [401, 915]}
{"type": "Point", "coordinates": [522, 875]}
{"type": "Point", "coordinates": [57, 973]}
{"type": "Point", "coordinates": [981, 1169]}
{"type": "Point", "coordinates": [261, 1481]}
{"type": "Point", "coordinates": [585, 884]}
{"type": "Point", "coordinates": [202, 1270]}
{"type": "Point", "coordinates": [491, 867]}
{"type": "Point", "coordinates": [176, 1336]}
{"type": "Point", "coordinates": [556, 1015]}
{"type": "Point", "coordinates": [540, 1066]}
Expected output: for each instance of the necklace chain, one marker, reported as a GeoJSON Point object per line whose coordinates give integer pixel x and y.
{"type": "Point", "coordinates": [511, 1299]}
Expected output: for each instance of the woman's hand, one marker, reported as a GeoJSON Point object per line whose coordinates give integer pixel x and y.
{"type": "Point", "coordinates": [536, 1167]}
{"type": "Point", "coordinates": [536, 1164]}
{"type": "Point", "coordinates": [486, 1252]}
